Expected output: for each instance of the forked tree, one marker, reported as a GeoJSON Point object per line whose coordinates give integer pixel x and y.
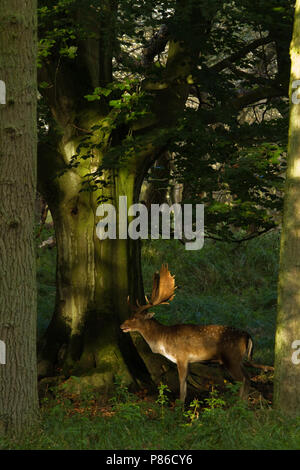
{"type": "Point", "coordinates": [93, 276]}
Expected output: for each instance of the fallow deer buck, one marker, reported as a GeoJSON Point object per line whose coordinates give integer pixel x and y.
{"type": "Point", "coordinates": [184, 344]}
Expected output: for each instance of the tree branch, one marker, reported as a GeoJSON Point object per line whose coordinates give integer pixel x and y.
{"type": "Point", "coordinates": [258, 366]}
{"type": "Point", "coordinates": [156, 46]}
{"type": "Point", "coordinates": [243, 99]}
{"type": "Point", "coordinates": [227, 62]}
{"type": "Point", "coordinates": [241, 240]}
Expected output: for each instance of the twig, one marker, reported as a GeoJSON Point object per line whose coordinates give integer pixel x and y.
{"type": "Point", "coordinates": [258, 366]}
{"type": "Point", "coordinates": [43, 218]}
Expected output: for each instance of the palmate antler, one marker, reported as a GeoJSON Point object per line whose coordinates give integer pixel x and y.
{"type": "Point", "coordinates": [162, 290]}
{"type": "Point", "coordinates": [163, 287]}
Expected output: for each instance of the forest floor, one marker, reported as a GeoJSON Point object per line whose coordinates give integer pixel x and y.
{"type": "Point", "coordinates": [233, 284]}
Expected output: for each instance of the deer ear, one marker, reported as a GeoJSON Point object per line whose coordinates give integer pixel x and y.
{"type": "Point", "coordinates": [149, 315]}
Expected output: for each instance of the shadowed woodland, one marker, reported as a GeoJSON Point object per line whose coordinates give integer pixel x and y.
{"type": "Point", "coordinates": [164, 102]}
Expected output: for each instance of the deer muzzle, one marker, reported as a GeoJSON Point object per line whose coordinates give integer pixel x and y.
{"type": "Point", "coordinates": [125, 327]}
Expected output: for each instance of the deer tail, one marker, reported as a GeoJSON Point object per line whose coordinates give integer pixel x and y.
{"type": "Point", "coordinates": [249, 350]}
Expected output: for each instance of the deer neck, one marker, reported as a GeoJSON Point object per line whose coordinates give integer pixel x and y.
{"type": "Point", "coordinates": [152, 331]}
{"type": "Point", "coordinates": [156, 336]}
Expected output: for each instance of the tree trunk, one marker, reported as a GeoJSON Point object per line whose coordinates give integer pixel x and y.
{"type": "Point", "coordinates": [94, 278]}
{"type": "Point", "coordinates": [287, 367]}
{"type": "Point", "coordinates": [18, 376]}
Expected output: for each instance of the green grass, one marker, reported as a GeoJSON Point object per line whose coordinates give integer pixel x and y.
{"type": "Point", "coordinates": [222, 283]}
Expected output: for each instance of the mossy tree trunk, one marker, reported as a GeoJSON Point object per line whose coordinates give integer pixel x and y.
{"type": "Point", "coordinates": [94, 277]}
{"type": "Point", "coordinates": [18, 378]}
{"type": "Point", "coordinates": [287, 367]}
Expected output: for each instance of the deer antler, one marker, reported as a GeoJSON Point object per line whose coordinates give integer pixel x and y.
{"type": "Point", "coordinates": [134, 308]}
{"type": "Point", "coordinates": [163, 286]}
{"type": "Point", "coordinates": [162, 290]}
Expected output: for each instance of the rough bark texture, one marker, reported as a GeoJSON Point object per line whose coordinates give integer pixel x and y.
{"type": "Point", "coordinates": [18, 377]}
{"type": "Point", "coordinates": [93, 280]}
{"type": "Point", "coordinates": [287, 372]}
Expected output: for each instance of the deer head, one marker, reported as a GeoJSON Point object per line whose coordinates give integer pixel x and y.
{"type": "Point", "coordinates": [162, 293]}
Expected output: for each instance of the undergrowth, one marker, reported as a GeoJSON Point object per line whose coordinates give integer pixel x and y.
{"type": "Point", "coordinates": [130, 421]}
{"type": "Point", "coordinates": [232, 284]}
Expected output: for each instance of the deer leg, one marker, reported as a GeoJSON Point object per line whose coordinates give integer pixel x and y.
{"type": "Point", "coordinates": [244, 390]}
{"type": "Point", "coordinates": [182, 374]}
{"type": "Point", "coordinates": [238, 373]}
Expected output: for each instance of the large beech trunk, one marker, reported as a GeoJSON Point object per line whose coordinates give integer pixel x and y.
{"type": "Point", "coordinates": [94, 278]}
